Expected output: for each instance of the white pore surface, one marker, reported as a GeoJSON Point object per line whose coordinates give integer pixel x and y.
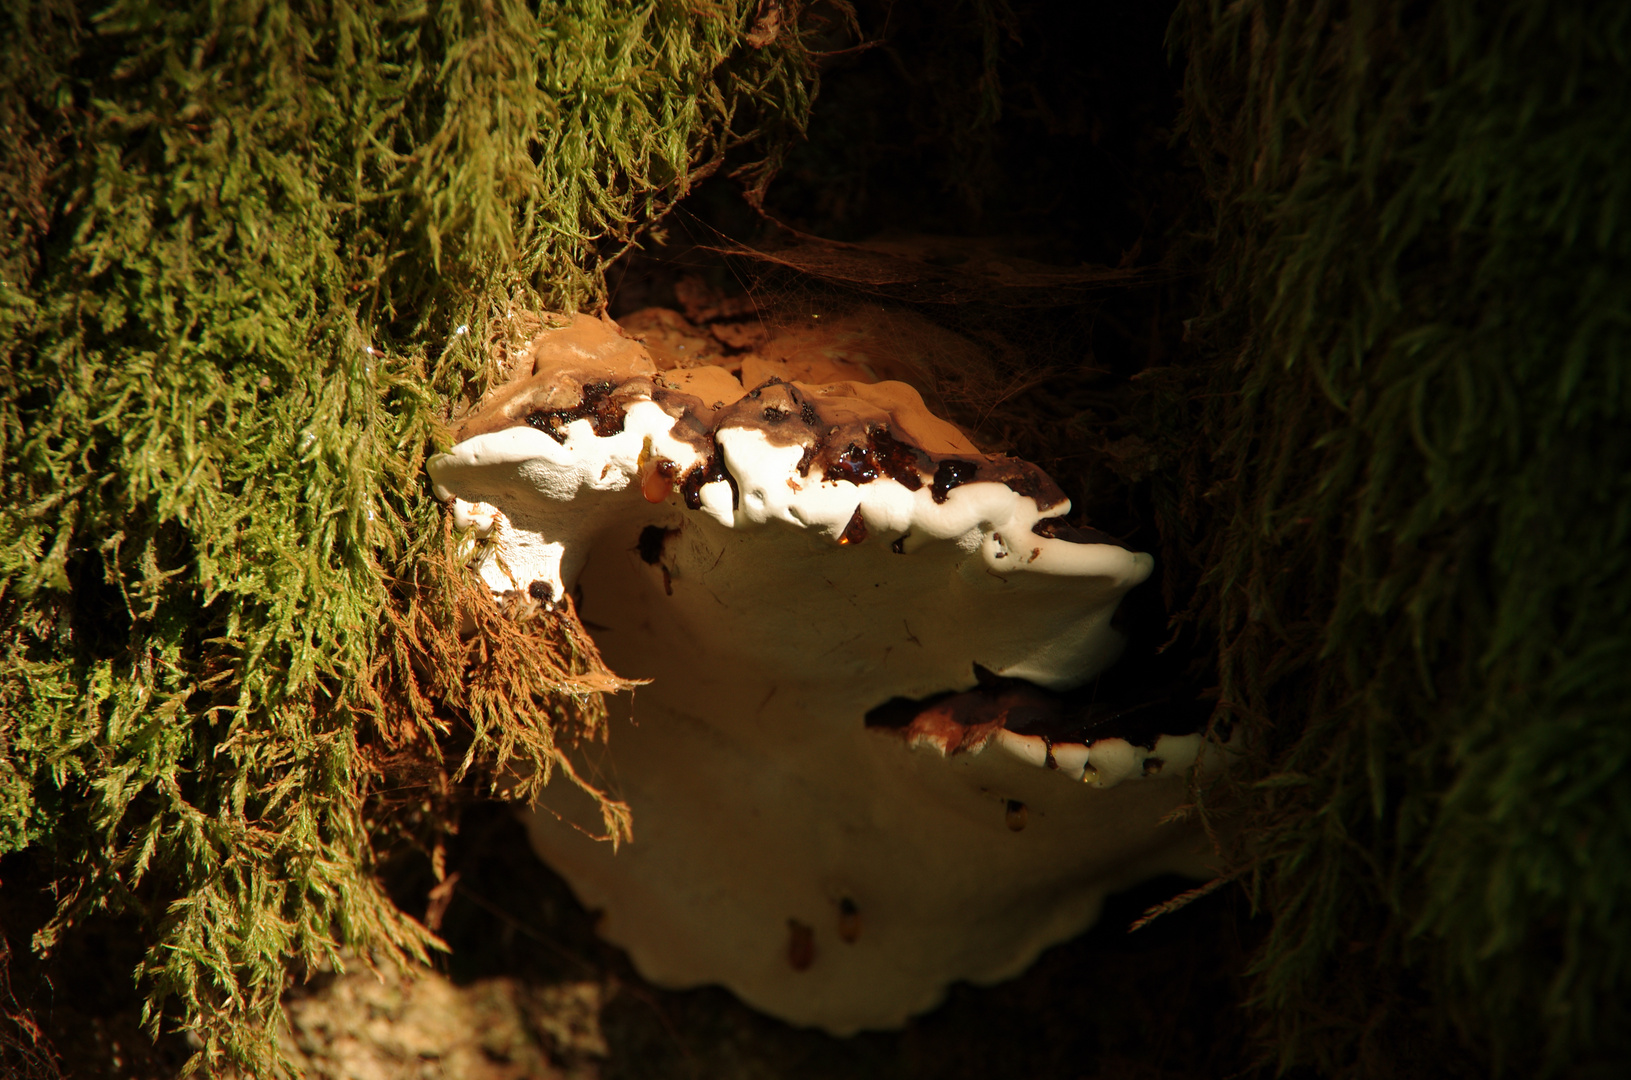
{"type": "Point", "coordinates": [760, 798]}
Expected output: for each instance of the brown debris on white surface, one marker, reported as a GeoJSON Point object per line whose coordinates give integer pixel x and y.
{"type": "Point", "coordinates": [854, 774]}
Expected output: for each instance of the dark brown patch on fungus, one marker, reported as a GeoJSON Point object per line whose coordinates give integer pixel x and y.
{"type": "Point", "coordinates": [855, 531]}
{"type": "Point", "coordinates": [849, 921]}
{"type": "Point", "coordinates": [1015, 814]}
{"type": "Point", "coordinates": [1057, 528]}
{"type": "Point", "coordinates": [899, 462]}
{"type": "Point", "coordinates": [807, 457]}
{"type": "Point", "coordinates": [600, 405]}
{"type": "Point", "coordinates": [709, 471]}
{"type": "Point", "coordinates": [854, 463]}
{"type": "Point", "coordinates": [650, 544]}
{"type": "Point", "coordinates": [950, 474]}
{"type": "Point", "coordinates": [800, 945]}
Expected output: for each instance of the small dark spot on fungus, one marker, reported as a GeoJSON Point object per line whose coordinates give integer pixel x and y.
{"type": "Point", "coordinates": [800, 945]}
{"type": "Point", "coordinates": [1153, 765]}
{"type": "Point", "coordinates": [951, 473]}
{"type": "Point", "coordinates": [542, 591]}
{"type": "Point", "coordinates": [775, 415]}
{"type": "Point", "coordinates": [808, 414]}
{"type": "Point", "coordinates": [807, 457]}
{"type": "Point", "coordinates": [1015, 814]}
{"type": "Point", "coordinates": [855, 531]}
{"type": "Point", "coordinates": [650, 544]}
{"type": "Point", "coordinates": [899, 545]}
{"type": "Point", "coordinates": [849, 920]}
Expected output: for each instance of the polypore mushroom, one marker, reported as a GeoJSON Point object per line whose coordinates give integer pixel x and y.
{"type": "Point", "coordinates": [857, 773]}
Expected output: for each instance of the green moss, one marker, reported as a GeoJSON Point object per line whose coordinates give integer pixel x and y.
{"type": "Point", "coordinates": [1414, 513]}
{"type": "Point", "coordinates": [242, 244]}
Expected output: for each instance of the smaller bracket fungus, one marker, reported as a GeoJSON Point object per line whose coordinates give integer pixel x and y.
{"type": "Point", "coordinates": [861, 769]}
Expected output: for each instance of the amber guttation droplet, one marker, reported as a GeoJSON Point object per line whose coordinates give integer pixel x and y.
{"type": "Point", "coordinates": [658, 483]}
{"type": "Point", "coordinates": [800, 945]}
{"type": "Point", "coordinates": [1016, 815]}
{"type": "Point", "coordinates": [849, 920]}
{"type": "Point", "coordinates": [855, 531]}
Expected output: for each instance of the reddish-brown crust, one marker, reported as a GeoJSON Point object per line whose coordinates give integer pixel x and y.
{"type": "Point", "coordinates": [955, 722]}
{"type": "Point", "coordinates": [967, 721]}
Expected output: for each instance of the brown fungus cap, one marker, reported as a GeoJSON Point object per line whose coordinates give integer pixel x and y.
{"type": "Point", "coordinates": [850, 429]}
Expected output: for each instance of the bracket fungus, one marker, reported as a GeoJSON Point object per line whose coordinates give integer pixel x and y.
{"type": "Point", "coordinates": [858, 772]}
